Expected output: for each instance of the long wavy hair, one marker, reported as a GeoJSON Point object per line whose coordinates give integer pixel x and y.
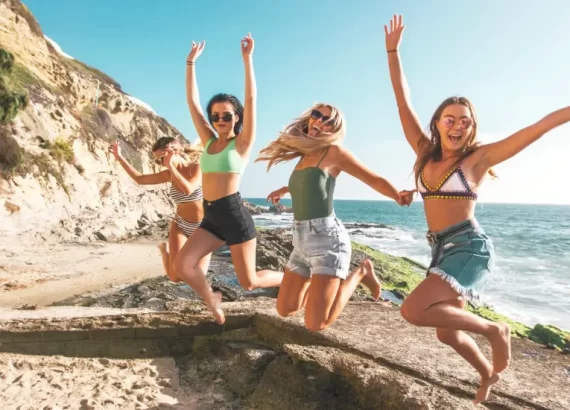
{"type": "Point", "coordinates": [190, 153]}
{"type": "Point", "coordinates": [432, 150]}
{"type": "Point", "coordinates": [295, 141]}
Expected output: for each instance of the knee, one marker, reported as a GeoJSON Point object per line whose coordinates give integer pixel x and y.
{"type": "Point", "coordinates": [249, 284]}
{"type": "Point", "coordinates": [315, 325]}
{"type": "Point", "coordinates": [410, 314]}
{"type": "Point", "coordinates": [447, 336]}
{"type": "Point", "coordinates": [286, 310]}
{"type": "Point", "coordinates": [182, 266]}
{"type": "Point", "coordinates": [172, 273]}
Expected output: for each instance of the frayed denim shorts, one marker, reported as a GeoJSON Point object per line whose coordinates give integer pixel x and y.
{"type": "Point", "coordinates": [321, 246]}
{"type": "Point", "coordinates": [463, 255]}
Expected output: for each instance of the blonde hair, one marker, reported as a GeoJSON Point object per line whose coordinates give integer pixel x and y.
{"type": "Point", "coordinates": [295, 142]}
{"type": "Point", "coordinates": [190, 153]}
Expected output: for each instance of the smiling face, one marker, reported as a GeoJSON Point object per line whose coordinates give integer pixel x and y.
{"type": "Point", "coordinates": [455, 126]}
{"type": "Point", "coordinates": [320, 121]}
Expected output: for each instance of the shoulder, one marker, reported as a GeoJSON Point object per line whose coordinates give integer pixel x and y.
{"type": "Point", "coordinates": [190, 170]}
{"type": "Point", "coordinates": [335, 151]}
{"type": "Point", "coordinates": [209, 142]}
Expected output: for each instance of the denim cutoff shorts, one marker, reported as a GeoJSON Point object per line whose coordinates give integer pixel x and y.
{"type": "Point", "coordinates": [321, 246]}
{"type": "Point", "coordinates": [463, 255]}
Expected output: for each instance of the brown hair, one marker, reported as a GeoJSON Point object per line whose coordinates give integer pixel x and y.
{"type": "Point", "coordinates": [190, 153]}
{"type": "Point", "coordinates": [432, 150]}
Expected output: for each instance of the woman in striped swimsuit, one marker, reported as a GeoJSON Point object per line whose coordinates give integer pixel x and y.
{"type": "Point", "coordinates": [183, 173]}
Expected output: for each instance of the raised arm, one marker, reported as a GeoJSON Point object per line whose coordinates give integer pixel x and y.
{"type": "Point", "coordinates": [497, 152]}
{"type": "Point", "coordinates": [193, 96]}
{"type": "Point", "coordinates": [408, 117]}
{"type": "Point", "coordinates": [247, 135]}
{"type": "Point", "coordinates": [351, 165]}
{"type": "Point", "coordinates": [141, 179]}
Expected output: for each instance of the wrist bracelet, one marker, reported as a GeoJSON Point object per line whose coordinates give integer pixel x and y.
{"type": "Point", "coordinates": [189, 62]}
{"type": "Point", "coordinates": [392, 51]}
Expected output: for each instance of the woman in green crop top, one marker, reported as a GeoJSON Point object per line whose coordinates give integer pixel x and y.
{"type": "Point", "coordinates": [316, 275]}
{"type": "Point", "coordinates": [228, 136]}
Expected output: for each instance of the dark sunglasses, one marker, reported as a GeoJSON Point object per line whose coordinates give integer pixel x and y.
{"type": "Point", "coordinates": [227, 117]}
{"type": "Point", "coordinates": [316, 114]}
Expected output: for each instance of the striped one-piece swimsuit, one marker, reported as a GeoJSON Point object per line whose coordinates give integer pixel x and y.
{"type": "Point", "coordinates": [178, 197]}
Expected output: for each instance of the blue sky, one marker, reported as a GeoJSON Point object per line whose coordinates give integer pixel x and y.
{"type": "Point", "coordinates": [511, 58]}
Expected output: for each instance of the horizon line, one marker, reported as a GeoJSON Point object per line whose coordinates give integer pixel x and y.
{"type": "Point", "coordinates": [420, 201]}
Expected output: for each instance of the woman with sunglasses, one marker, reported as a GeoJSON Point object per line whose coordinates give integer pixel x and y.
{"type": "Point", "coordinates": [449, 171]}
{"type": "Point", "coordinates": [316, 275]}
{"type": "Point", "coordinates": [228, 137]}
{"type": "Point", "coordinates": [183, 173]}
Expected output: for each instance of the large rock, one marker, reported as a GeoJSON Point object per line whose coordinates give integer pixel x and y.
{"type": "Point", "coordinates": [369, 358]}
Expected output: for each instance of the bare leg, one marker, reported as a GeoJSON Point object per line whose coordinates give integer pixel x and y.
{"type": "Point", "coordinates": [243, 258]}
{"type": "Point", "coordinates": [425, 307]}
{"type": "Point", "coordinates": [329, 295]}
{"type": "Point", "coordinates": [372, 282]}
{"type": "Point", "coordinates": [176, 239]}
{"type": "Point", "coordinates": [292, 293]}
{"type": "Point", "coordinates": [466, 347]}
{"type": "Point", "coordinates": [163, 247]}
{"type": "Point", "coordinates": [190, 267]}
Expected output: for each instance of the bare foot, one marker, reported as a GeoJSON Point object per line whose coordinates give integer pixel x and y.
{"type": "Point", "coordinates": [500, 341]}
{"type": "Point", "coordinates": [370, 280]}
{"type": "Point", "coordinates": [216, 309]}
{"type": "Point", "coordinates": [485, 388]}
{"type": "Point", "coordinates": [163, 247]}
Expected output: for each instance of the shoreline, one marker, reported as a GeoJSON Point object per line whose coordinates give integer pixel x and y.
{"type": "Point", "coordinates": [72, 270]}
{"type": "Point", "coordinates": [392, 235]}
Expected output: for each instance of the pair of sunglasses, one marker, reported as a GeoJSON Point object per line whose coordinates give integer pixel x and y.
{"type": "Point", "coordinates": [227, 117]}
{"type": "Point", "coordinates": [316, 114]}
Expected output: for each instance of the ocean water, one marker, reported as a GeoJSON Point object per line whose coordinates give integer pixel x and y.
{"type": "Point", "coordinates": [531, 280]}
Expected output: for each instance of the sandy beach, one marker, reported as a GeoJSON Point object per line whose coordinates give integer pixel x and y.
{"type": "Point", "coordinates": [39, 275]}
{"type": "Point", "coordinates": [59, 382]}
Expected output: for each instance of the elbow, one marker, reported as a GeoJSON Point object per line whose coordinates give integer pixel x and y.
{"type": "Point", "coordinates": [188, 190]}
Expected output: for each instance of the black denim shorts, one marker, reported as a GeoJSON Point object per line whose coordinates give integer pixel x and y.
{"type": "Point", "coordinates": [229, 220]}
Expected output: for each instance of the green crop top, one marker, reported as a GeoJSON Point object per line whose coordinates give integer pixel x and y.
{"type": "Point", "coordinates": [312, 191]}
{"type": "Point", "coordinates": [227, 160]}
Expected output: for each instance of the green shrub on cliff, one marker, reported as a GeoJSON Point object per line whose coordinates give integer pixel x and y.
{"type": "Point", "coordinates": [11, 101]}
{"type": "Point", "coordinates": [6, 62]}
{"type": "Point", "coordinates": [60, 150]}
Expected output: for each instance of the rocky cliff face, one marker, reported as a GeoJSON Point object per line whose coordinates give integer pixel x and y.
{"type": "Point", "coordinates": [57, 179]}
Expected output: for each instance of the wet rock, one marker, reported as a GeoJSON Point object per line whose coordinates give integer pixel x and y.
{"type": "Point", "coordinates": [280, 209]}
{"type": "Point", "coordinates": [223, 251]}
{"type": "Point", "coordinates": [253, 209]}
{"type": "Point", "coordinates": [273, 248]}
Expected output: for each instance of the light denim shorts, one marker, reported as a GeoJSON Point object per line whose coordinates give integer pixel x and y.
{"type": "Point", "coordinates": [320, 246]}
{"type": "Point", "coordinates": [464, 256]}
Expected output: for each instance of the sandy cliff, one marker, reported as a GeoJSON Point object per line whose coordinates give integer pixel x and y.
{"type": "Point", "coordinates": [57, 177]}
